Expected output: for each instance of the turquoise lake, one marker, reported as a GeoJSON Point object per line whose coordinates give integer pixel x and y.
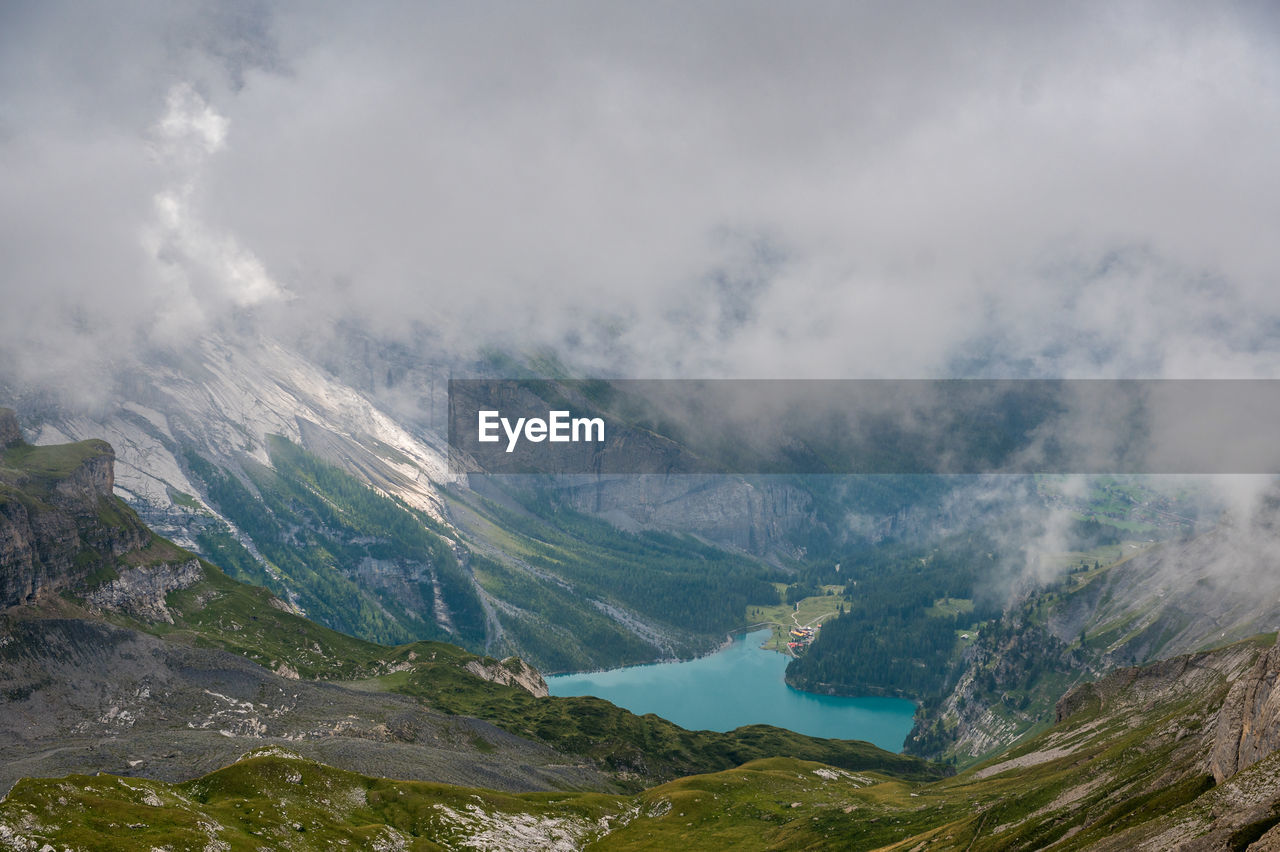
{"type": "Point", "coordinates": [742, 685]}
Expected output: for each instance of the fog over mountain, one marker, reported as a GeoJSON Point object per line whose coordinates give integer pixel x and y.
{"type": "Point", "coordinates": [245, 248]}
{"type": "Point", "coordinates": [721, 190]}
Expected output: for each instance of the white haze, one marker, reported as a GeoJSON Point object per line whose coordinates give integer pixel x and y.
{"type": "Point", "coordinates": [750, 189]}
{"type": "Point", "coordinates": [746, 189]}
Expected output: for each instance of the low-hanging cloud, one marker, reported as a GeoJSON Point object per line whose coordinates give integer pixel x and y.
{"type": "Point", "coordinates": [828, 190]}
{"type": "Point", "coordinates": [195, 265]}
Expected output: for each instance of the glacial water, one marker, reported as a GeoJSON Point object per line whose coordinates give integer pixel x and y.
{"type": "Point", "coordinates": [742, 685]}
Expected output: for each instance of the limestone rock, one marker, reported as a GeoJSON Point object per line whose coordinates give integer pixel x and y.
{"type": "Point", "coordinates": [56, 532]}
{"type": "Point", "coordinates": [1248, 725]}
{"type": "Point", "coordinates": [141, 591]}
{"type": "Point", "coordinates": [510, 672]}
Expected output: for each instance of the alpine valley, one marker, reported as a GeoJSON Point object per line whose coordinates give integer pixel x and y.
{"type": "Point", "coordinates": [1098, 673]}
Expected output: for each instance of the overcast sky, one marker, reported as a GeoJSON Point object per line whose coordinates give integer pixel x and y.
{"type": "Point", "coordinates": [748, 189]}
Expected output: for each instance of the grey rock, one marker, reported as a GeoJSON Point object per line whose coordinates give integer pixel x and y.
{"type": "Point", "coordinates": [510, 672]}
{"type": "Point", "coordinates": [1248, 725]}
{"type": "Point", "coordinates": [141, 591]}
{"type": "Point", "coordinates": [81, 696]}
{"type": "Point", "coordinates": [53, 543]}
{"type": "Point", "coordinates": [751, 516]}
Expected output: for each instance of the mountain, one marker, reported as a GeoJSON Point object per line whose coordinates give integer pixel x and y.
{"type": "Point", "coordinates": [1149, 602]}
{"type": "Point", "coordinates": [222, 718]}
{"type": "Point", "coordinates": [121, 651]}
{"type": "Point", "coordinates": [88, 684]}
{"type": "Point", "coordinates": [322, 476]}
{"type": "Point", "coordinates": [247, 452]}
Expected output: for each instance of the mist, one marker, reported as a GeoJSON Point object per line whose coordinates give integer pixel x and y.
{"type": "Point", "coordinates": [726, 190]}
{"type": "Point", "coordinates": [830, 191]}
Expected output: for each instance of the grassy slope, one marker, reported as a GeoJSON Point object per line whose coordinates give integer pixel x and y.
{"type": "Point", "coordinates": [41, 466]}
{"type": "Point", "coordinates": [222, 613]}
{"type": "Point", "coordinates": [1127, 760]}
{"type": "Point", "coordinates": [1131, 753]}
{"type": "Point", "coordinates": [537, 557]}
{"type": "Point", "coordinates": [272, 799]}
{"type": "Point", "coordinates": [1126, 763]}
{"type": "Point", "coordinates": [225, 614]}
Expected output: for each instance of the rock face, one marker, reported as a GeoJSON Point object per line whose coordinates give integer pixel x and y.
{"type": "Point", "coordinates": [59, 525]}
{"type": "Point", "coordinates": [510, 672]}
{"type": "Point", "coordinates": [92, 480]}
{"type": "Point", "coordinates": [10, 434]}
{"type": "Point", "coordinates": [1142, 686]}
{"type": "Point", "coordinates": [1242, 729]}
{"type": "Point", "coordinates": [141, 591]}
{"type": "Point", "coordinates": [1248, 727]}
{"type": "Point", "coordinates": [80, 696]}
{"type": "Point", "coordinates": [729, 510]}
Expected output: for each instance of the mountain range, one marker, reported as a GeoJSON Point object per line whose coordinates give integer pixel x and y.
{"type": "Point", "coordinates": [129, 653]}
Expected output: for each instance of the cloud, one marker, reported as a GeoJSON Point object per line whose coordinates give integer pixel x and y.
{"type": "Point", "coordinates": [738, 189]}
{"type": "Point", "coordinates": [735, 189]}
{"type": "Point", "coordinates": [195, 264]}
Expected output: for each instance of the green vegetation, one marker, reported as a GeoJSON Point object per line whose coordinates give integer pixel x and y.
{"type": "Point", "coordinates": [222, 613]}
{"type": "Point", "coordinates": [578, 637]}
{"type": "Point", "coordinates": [673, 578]}
{"type": "Point", "coordinates": [183, 499]}
{"type": "Point", "coordinates": [571, 587]}
{"type": "Point", "coordinates": [1134, 506]}
{"type": "Point", "coordinates": [809, 611]}
{"type": "Point", "coordinates": [275, 799]}
{"type": "Point", "coordinates": [892, 638]}
{"type": "Point", "coordinates": [1125, 766]}
{"type": "Point", "coordinates": [225, 614]}
{"type": "Point", "coordinates": [42, 466]}
{"type": "Point", "coordinates": [639, 746]}
{"type": "Point", "coordinates": [1019, 668]}
{"type": "Point", "coordinates": [950, 607]}
{"type": "Point", "coordinates": [558, 568]}
{"type": "Point", "coordinates": [353, 559]}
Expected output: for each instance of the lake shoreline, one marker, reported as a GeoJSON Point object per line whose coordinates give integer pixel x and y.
{"type": "Point", "coordinates": [664, 661]}
{"type": "Point", "coordinates": [742, 684]}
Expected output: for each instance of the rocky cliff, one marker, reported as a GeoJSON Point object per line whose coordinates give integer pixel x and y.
{"type": "Point", "coordinates": [755, 517]}
{"type": "Point", "coordinates": [1168, 599]}
{"type": "Point", "coordinates": [512, 671]}
{"type": "Point", "coordinates": [60, 523]}
{"type": "Point", "coordinates": [141, 591]}
{"type": "Point", "coordinates": [1248, 726]}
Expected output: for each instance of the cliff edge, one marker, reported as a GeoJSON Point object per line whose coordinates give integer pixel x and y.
{"type": "Point", "coordinates": [61, 526]}
{"type": "Point", "coordinates": [1248, 725]}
